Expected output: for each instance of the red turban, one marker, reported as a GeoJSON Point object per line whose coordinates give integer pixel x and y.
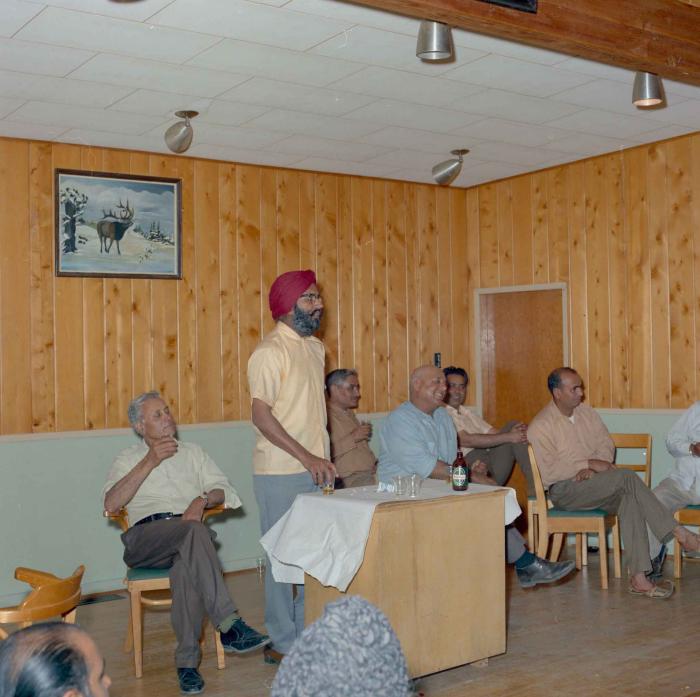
{"type": "Point", "coordinates": [287, 288]}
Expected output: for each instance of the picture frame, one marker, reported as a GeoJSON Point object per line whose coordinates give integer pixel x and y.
{"type": "Point", "coordinates": [119, 225]}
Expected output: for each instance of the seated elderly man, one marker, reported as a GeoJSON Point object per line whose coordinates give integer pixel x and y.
{"type": "Point", "coordinates": [53, 659]}
{"type": "Point", "coordinates": [480, 441]}
{"type": "Point", "coordinates": [350, 451]}
{"type": "Point", "coordinates": [575, 457]}
{"type": "Point", "coordinates": [167, 484]}
{"type": "Point", "coordinates": [418, 437]}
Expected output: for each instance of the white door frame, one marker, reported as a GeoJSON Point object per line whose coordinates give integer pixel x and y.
{"type": "Point", "coordinates": [514, 289]}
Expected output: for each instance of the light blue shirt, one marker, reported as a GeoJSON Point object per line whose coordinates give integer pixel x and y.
{"type": "Point", "coordinates": [411, 442]}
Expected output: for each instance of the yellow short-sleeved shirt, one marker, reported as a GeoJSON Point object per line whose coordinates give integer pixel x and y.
{"type": "Point", "coordinates": [286, 372]}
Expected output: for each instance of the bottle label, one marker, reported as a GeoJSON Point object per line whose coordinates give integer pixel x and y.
{"type": "Point", "coordinates": [459, 476]}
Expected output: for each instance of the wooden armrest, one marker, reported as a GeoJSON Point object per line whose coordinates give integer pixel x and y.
{"type": "Point", "coordinates": [34, 577]}
{"type": "Point", "coordinates": [213, 511]}
{"type": "Point", "coordinates": [121, 517]}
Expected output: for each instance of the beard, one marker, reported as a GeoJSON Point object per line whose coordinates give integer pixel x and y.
{"type": "Point", "coordinates": [306, 323]}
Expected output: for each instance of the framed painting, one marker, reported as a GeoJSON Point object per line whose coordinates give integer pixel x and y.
{"type": "Point", "coordinates": [117, 225]}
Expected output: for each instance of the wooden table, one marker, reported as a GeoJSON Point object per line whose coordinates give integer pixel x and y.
{"type": "Point", "coordinates": [436, 568]}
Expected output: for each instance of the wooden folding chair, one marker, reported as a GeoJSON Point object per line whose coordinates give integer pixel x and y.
{"type": "Point", "coordinates": [690, 515]}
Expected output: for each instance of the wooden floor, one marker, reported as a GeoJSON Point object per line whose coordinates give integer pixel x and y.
{"type": "Point", "coordinates": [568, 639]}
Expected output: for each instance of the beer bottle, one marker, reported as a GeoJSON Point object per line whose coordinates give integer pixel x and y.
{"type": "Point", "coordinates": [460, 473]}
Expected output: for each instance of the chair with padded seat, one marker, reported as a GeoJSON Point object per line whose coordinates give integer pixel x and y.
{"type": "Point", "coordinates": [690, 515]}
{"type": "Point", "coordinates": [50, 597]}
{"type": "Point", "coordinates": [150, 588]}
{"type": "Point", "coordinates": [557, 523]}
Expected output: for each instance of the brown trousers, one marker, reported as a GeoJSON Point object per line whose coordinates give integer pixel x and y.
{"type": "Point", "coordinates": [621, 492]}
{"type": "Point", "coordinates": [196, 581]}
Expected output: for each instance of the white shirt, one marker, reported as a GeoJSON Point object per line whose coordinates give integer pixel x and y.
{"type": "Point", "coordinates": [174, 484]}
{"type": "Point", "coordinates": [684, 432]}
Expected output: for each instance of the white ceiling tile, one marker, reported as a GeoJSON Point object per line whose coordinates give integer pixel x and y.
{"type": "Point", "coordinates": [594, 69]}
{"type": "Point", "coordinates": [94, 32]}
{"type": "Point", "coordinates": [471, 175]}
{"type": "Point", "coordinates": [331, 102]}
{"type": "Point", "coordinates": [685, 113]}
{"type": "Point", "coordinates": [59, 89]}
{"type": "Point", "coordinates": [32, 131]}
{"type": "Point", "coordinates": [408, 87]}
{"type": "Point", "coordinates": [682, 89]}
{"type": "Point", "coordinates": [512, 154]}
{"type": "Point", "coordinates": [77, 116]}
{"type": "Point", "coordinates": [85, 136]}
{"type": "Point", "coordinates": [358, 14]}
{"type": "Point", "coordinates": [14, 14]}
{"type": "Point", "coordinates": [365, 169]}
{"type": "Point", "coordinates": [491, 44]}
{"type": "Point", "coordinates": [8, 106]}
{"type": "Point", "coordinates": [395, 113]}
{"type": "Point", "coordinates": [517, 76]}
{"type": "Point", "coordinates": [405, 159]}
{"type": "Point", "coordinates": [246, 155]}
{"type": "Point", "coordinates": [610, 93]}
{"type": "Point", "coordinates": [424, 141]}
{"type": "Point", "coordinates": [387, 48]}
{"type": "Point", "coordinates": [274, 63]}
{"type": "Point", "coordinates": [137, 11]}
{"type": "Point", "coordinates": [235, 137]}
{"type": "Point", "coordinates": [329, 149]}
{"type": "Point", "coordinates": [136, 72]}
{"type": "Point", "coordinates": [313, 125]}
{"type": "Point", "coordinates": [29, 57]}
{"type": "Point", "coordinates": [508, 105]}
{"type": "Point", "coordinates": [662, 133]}
{"type": "Point", "coordinates": [163, 104]}
{"type": "Point", "coordinates": [603, 123]}
{"type": "Point", "coordinates": [585, 144]}
{"type": "Point", "coordinates": [511, 132]}
{"type": "Point", "coordinates": [228, 113]}
{"type": "Point", "coordinates": [238, 19]}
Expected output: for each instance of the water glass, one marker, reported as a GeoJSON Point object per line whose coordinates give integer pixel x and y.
{"type": "Point", "coordinates": [328, 486]}
{"type": "Point", "coordinates": [399, 485]}
{"type": "Point", "coordinates": [414, 484]}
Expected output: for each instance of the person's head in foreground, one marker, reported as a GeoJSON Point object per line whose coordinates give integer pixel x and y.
{"type": "Point", "coordinates": [350, 651]}
{"type": "Point", "coordinates": [295, 300]}
{"type": "Point", "coordinates": [53, 659]}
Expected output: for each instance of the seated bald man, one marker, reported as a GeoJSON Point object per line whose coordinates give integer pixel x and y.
{"type": "Point", "coordinates": [418, 437]}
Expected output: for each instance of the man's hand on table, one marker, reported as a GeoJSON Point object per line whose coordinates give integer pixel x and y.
{"type": "Point", "coordinates": [322, 470]}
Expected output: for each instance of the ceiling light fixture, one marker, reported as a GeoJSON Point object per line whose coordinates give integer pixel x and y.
{"type": "Point", "coordinates": [179, 136]}
{"type": "Point", "coordinates": [446, 172]}
{"type": "Point", "coordinates": [434, 41]}
{"type": "Point", "coordinates": [647, 90]}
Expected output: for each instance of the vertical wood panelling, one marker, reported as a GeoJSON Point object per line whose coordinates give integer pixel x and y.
{"type": "Point", "coordinates": [398, 264]}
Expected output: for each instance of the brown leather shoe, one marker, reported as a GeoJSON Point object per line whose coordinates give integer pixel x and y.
{"type": "Point", "coordinates": [272, 657]}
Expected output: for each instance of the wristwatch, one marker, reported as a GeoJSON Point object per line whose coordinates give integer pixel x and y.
{"type": "Point", "coordinates": [206, 499]}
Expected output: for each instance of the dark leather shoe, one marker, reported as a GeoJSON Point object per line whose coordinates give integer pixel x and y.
{"type": "Point", "coordinates": [657, 564]}
{"type": "Point", "coordinates": [543, 571]}
{"type": "Point", "coordinates": [272, 657]}
{"type": "Point", "coordinates": [191, 682]}
{"type": "Point", "coordinates": [241, 638]}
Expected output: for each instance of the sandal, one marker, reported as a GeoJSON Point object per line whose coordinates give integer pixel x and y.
{"type": "Point", "coordinates": [656, 592]}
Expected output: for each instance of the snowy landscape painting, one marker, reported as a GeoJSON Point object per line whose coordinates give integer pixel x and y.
{"type": "Point", "coordinates": [117, 225]}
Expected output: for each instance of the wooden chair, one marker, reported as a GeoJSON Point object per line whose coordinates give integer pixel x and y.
{"type": "Point", "coordinates": [558, 522]}
{"type": "Point", "coordinates": [150, 588]}
{"type": "Point", "coordinates": [690, 515]}
{"type": "Point", "coordinates": [51, 597]}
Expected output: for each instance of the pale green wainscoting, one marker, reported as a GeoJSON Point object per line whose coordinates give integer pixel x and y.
{"type": "Point", "coordinates": [51, 510]}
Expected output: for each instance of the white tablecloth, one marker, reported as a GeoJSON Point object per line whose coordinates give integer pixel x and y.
{"type": "Point", "coordinates": [325, 536]}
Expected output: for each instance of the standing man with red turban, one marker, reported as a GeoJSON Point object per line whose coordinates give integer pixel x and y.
{"type": "Point", "coordinates": [285, 374]}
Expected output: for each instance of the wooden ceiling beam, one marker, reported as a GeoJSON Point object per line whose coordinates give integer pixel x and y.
{"type": "Point", "coordinates": [659, 36]}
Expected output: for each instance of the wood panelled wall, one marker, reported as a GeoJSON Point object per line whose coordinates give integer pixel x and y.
{"type": "Point", "coordinates": [397, 263]}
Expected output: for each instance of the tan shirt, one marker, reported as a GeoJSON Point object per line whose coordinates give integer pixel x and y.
{"type": "Point", "coordinates": [563, 448]}
{"type": "Point", "coordinates": [174, 484]}
{"type": "Point", "coordinates": [349, 456]}
{"type": "Point", "coordinates": [286, 372]}
{"type": "Point", "coordinates": [466, 420]}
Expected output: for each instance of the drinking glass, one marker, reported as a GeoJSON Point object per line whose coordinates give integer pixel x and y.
{"type": "Point", "coordinates": [414, 484]}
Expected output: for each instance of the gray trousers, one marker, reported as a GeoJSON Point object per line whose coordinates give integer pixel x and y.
{"type": "Point", "coordinates": [500, 459]}
{"type": "Point", "coordinates": [621, 492]}
{"type": "Point", "coordinates": [672, 498]}
{"type": "Point", "coordinates": [284, 612]}
{"type": "Point", "coordinates": [197, 584]}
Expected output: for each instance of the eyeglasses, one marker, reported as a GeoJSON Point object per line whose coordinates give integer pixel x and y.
{"type": "Point", "coordinates": [311, 297]}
